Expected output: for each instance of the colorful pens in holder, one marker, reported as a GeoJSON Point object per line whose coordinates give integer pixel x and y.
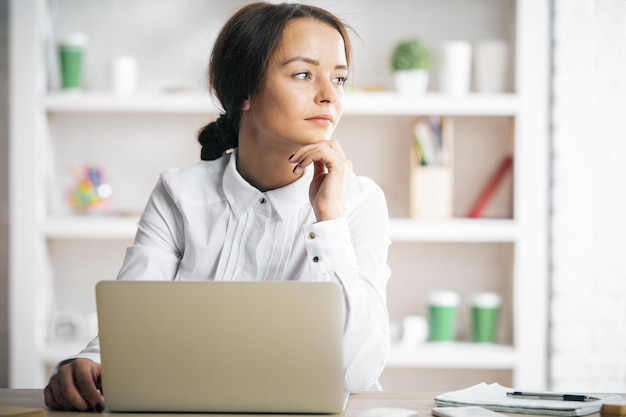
{"type": "Point", "coordinates": [91, 193]}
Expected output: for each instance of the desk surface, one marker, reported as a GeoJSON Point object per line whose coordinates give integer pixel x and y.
{"type": "Point", "coordinates": [421, 401]}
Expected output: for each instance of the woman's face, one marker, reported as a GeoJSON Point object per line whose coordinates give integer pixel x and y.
{"type": "Point", "coordinates": [301, 100]}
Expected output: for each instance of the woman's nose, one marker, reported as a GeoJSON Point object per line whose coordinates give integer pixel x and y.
{"type": "Point", "coordinates": [326, 92]}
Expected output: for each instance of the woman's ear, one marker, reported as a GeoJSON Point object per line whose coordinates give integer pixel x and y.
{"type": "Point", "coordinates": [246, 105]}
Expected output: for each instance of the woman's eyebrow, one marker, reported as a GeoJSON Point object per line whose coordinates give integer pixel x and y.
{"type": "Point", "coordinates": [310, 61]}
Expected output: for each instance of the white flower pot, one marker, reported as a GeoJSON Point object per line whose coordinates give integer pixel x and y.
{"type": "Point", "coordinates": [411, 81]}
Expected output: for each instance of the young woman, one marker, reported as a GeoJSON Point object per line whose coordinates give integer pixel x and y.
{"type": "Point", "coordinates": [274, 197]}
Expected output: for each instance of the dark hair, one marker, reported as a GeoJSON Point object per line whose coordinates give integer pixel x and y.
{"type": "Point", "coordinates": [239, 63]}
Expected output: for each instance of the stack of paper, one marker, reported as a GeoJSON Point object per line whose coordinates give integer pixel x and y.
{"type": "Point", "coordinates": [493, 397]}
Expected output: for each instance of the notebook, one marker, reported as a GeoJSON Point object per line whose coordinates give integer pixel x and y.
{"type": "Point", "coordinates": [494, 397]}
{"type": "Point", "coordinates": [246, 347]}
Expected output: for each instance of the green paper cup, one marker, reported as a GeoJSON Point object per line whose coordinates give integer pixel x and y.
{"type": "Point", "coordinates": [71, 55]}
{"type": "Point", "coordinates": [485, 315]}
{"type": "Point", "coordinates": [442, 312]}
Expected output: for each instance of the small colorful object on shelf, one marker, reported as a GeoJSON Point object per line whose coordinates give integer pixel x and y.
{"type": "Point", "coordinates": [91, 193]}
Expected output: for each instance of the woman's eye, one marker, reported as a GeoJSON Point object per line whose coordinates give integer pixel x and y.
{"type": "Point", "coordinates": [303, 75]}
{"type": "Point", "coordinates": [341, 80]}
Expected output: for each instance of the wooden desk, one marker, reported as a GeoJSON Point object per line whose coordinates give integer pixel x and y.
{"type": "Point", "coordinates": [421, 401]}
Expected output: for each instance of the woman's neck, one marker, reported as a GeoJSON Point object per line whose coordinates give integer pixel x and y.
{"type": "Point", "coordinates": [264, 170]}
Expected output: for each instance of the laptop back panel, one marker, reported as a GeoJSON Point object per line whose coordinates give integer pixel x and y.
{"type": "Point", "coordinates": [221, 346]}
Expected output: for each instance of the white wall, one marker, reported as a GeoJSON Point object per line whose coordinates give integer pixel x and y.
{"type": "Point", "coordinates": [588, 347]}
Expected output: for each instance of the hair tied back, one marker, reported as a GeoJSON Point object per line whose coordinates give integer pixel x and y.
{"type": "Point", "coordinates": [218, 138]}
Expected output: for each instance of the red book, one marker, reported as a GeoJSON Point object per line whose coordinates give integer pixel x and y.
{"type": "Point", "coordinates": [487, 194]}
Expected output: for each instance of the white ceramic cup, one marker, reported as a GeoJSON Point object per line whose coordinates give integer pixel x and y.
{"type": "Point", "coordinates": [455, 67]}
{"type": "Point", "coordinates": [414, 331]}
{"type": "Point", "coordinates": [124, 75]}
{"type": "Point", "coordinates": [491, 66]}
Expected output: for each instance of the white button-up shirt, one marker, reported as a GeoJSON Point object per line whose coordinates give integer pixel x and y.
{"type": "Point", "coordinates": [205, 222]}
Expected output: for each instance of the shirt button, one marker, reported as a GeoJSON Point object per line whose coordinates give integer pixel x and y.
{"type": "Point", "coordinates": [316, 259]}
{"type": "Point", "coordinates": [311, 235]}
{"type": "Point", "coordinates": [262, 200]}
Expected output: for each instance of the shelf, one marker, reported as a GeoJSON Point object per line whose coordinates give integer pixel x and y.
{"type": "Point", "coordinates": [394, 104]}
{"type": "Point", "coordinates": [401, 230]}
{"type": "Point", "coordinates": [91, 227]}
{"type": "Point", "coordinates": [453, 230]}
{"type": "Point", "coordinates": [453, 356]}
{"type": "Point", "coordinates": [358, 103]}
{"type": "Point", "coordinates": [103, 102]}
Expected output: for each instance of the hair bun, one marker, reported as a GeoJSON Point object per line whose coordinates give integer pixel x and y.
{"type": "Point", "coordinates": [217, 138]}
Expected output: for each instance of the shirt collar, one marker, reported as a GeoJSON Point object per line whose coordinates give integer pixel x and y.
{"type": "Point", "coordinates": [242, 196]}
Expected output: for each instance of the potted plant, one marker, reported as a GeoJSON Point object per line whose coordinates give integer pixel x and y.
{"type": "Point", "coordinates": [410, 63]}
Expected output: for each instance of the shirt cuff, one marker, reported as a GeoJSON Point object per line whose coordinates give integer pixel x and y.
{"type": "Point", "coordinates": [329, 248]}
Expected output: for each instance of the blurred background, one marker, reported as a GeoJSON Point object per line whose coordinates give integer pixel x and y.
{"type": "Point", "coordinates": [500, 164]}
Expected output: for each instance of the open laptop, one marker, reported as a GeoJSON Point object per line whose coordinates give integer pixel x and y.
{"type": "Point", "coordinates": [203, 346]}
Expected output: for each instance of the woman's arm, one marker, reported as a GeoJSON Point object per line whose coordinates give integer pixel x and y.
{"type": "Point", "coordinates": [352, 250]}
{"type": "Point", "coordinates": [159, 242]}
{"type": "Point", "coordinates": [153, 256]}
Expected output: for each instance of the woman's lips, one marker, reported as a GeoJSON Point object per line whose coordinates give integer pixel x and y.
{"type": "Point", "coordinates": [322, 120]}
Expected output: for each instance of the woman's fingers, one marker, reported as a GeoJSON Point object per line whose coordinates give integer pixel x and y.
{"type": "Point", "coordinates": [87, 378]}
{"type": "Point", "coordinates": [75, 386]}
{"type": "Point", "coordinates": [329, 153]}
{"type": "Point", "coordinates": [62, 393]}
{"type": "Point", "coordinates": [331, 171]}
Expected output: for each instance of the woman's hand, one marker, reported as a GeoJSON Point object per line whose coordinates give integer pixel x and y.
{"type": "Point", "coordinates": [330, 176]}
{"type": "Point", "coordinates": [76, 386]}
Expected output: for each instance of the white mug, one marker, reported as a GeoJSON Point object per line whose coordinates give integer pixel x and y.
{"type": "Point", "coordinates": [414, 331]}
{"type": "Point", "coordinates": [455, 67]}
{"type": "Point", "coordinates": [491, 66]}
{"type": "Point", "coordinates": [124, 75]}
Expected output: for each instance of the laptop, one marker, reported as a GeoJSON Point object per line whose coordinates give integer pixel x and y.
{"type": "Point", "coordinates": [204, 346]}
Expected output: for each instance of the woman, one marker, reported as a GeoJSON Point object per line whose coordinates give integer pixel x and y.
{"type": "Point", "coordinates": [274, 197]}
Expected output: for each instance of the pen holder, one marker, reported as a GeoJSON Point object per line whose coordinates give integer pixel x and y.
{"type": "Point", "coordinates": [431, 173]}
{"type": "Point", "coordinates": [91, 194]}
{"type": "Point", "coordinates": [431, 192]}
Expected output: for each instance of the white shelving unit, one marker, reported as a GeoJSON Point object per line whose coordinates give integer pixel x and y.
{"type": "Point", "coordinates": [43, 237]}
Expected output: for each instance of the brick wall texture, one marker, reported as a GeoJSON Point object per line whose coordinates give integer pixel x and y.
{"type": "Point", "coordinates": [588, 229]}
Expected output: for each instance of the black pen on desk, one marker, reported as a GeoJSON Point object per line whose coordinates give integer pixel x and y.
{"type": "Point", "coordinates": [550, 396]}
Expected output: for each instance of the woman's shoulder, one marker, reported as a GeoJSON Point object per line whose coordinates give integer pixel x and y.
{"type": "Point", "coordinates": [363, 188]}
{"type": "Point", "coordinates": [198, 182]}
{"type": "Point", "coordinates": [365, 199]}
